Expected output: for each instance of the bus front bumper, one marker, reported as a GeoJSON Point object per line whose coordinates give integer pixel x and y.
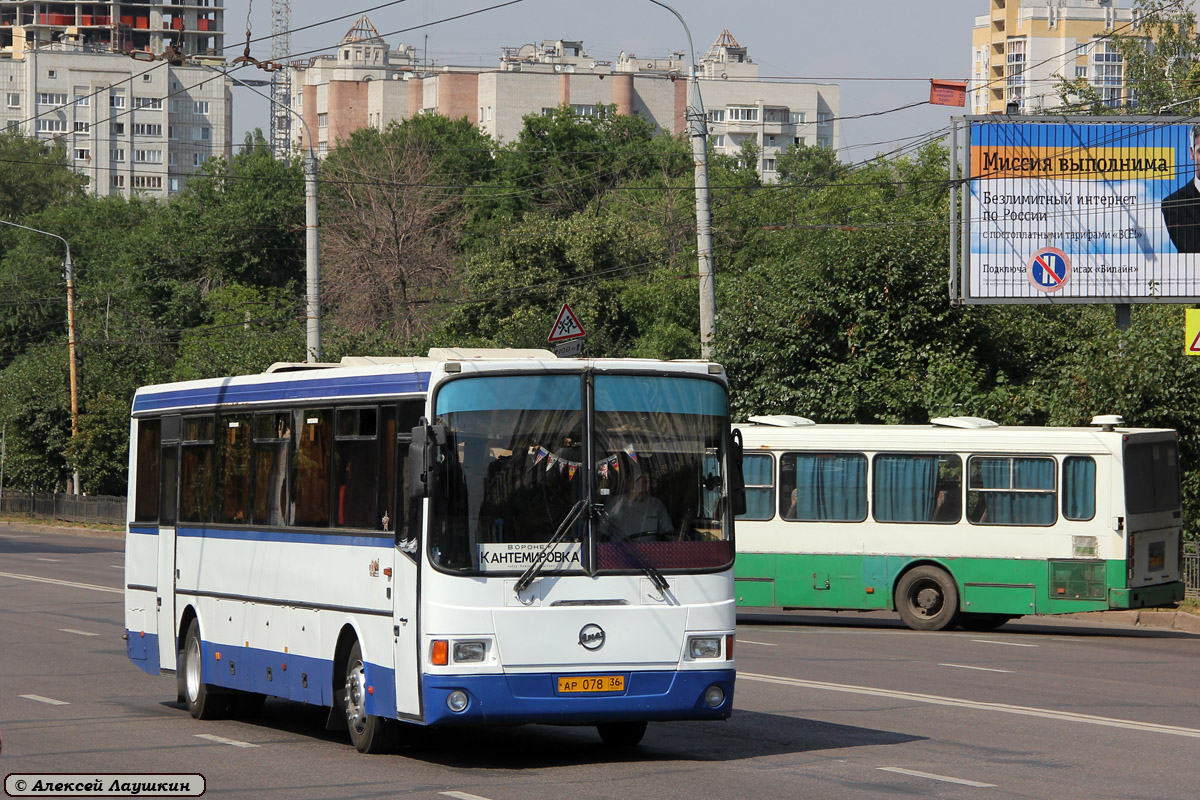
{"type": "Point", "coordinates": [534, 698]}
{"type": "Point", "coordinates": [1163, 594]}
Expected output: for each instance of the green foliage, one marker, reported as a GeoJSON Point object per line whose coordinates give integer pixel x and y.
{"type": "Point", "coordinates": [1161, 56]}
{"type": "Point", "coordinates": [247, 329]}
{"type": "Point", "coordinates": [36, 413]}
{"type": "Point", "coordinates": [34, 176]}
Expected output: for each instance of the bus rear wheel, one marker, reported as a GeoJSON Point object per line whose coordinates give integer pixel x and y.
{"type": "Point", "coordinates": [927, 599]}
{"type": "Point", "coordinates": [369, 733]}
{"type": "Point", "coordinates": [982, 622]}
{"type": "Point", "coordinates": [621, 734]}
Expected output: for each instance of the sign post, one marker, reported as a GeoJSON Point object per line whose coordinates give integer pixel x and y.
{"type": "Point", "coordinates": [567, 334]}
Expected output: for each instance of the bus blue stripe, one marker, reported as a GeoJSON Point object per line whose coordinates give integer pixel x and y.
{"type": "Point", "coordinates": [277, 391]}
{"type": "Point", "coordinates": [385, 539]}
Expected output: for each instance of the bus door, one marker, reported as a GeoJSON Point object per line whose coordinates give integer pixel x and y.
{"type": "Point", "coordinates": [406, 586]}
{"type": "Point", "coordinates": [404, 625]}
{"type": "Point", "coordinates": [167, 513]}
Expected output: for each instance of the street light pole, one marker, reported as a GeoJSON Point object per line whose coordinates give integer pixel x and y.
{"type": "Point", "coordinates": [69, 271]}
{"type": "Point", "coordinates": [697, 130]}
{"type": "Point", "coordinates": [312, 252]}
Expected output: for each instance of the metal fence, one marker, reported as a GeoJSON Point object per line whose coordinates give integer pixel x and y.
{"type": "Point", "coordinates": [1191, 568]}
{"type": "Point", "coordinates": [97, 509]}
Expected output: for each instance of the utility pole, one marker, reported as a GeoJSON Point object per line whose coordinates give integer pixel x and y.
{"type": "Point", "coordinates": [312, 261]}
{"type": "Point", "coordinates": [69, 272]}
{"type": "Point", "coordinates": [698, 131]}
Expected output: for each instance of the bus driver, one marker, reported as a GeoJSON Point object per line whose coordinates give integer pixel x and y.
{"type": "Point", "coordinates": [638, 512]}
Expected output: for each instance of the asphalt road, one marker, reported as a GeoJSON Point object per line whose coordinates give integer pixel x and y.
{"type": "Point", "coordinates": [827, 706]}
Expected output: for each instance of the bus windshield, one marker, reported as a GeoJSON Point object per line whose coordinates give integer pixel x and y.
{"type": "Point", "coordinates": [655, 478]}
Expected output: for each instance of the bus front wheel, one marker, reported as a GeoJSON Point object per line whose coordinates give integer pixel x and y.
{"type": "Point", "coordinates": [621, 734]}
{"type": "Point", "coordinates": [369, 733]}
{"type": "Point", "coordinates": [203, 701]}
{"type": "Point", "coordinates": [927, 599]}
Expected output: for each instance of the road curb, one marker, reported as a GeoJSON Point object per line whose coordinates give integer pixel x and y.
{"type": "Point", "coordinates": [1145, 618]}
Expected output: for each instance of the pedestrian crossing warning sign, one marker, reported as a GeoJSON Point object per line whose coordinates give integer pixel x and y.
{"type": "Point", "coordinates": [1191, 332]}
{"type": "Point", "coordinates": [566, 326]}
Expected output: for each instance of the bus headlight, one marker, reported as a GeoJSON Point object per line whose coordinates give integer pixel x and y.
{"type": "Point", "coordinates": [467, 652]}
{"type": "Point", "coordinates": [704, 647]}
{"type": "Point", "coordinates": [457, 701]}
{"type": "Point", "coordinates": [714, 696]}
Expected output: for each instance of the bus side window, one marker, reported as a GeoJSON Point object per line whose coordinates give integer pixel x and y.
{"type": "Point", "coordinates": [149, 437]}
{"type": "Point", "coordinates": [356, 467]}
{"type": "Point", "coordinates": [196, 470]}
{"type": "Point", "coordinates": [1079, 488]}
{"type": "Point", "coordinates": [234, 472]}
{"type": "Point", "coordinates": [311, 463]}
{"type": "Point", "coordinates": [758, 469]}
{"type": "Point", "coordinates": [407, 513]}
{"type": "Point", "coordinates": [272, 435]}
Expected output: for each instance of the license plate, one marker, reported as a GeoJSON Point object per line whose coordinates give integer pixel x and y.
{"type": "Point", "coordinates": [592, 683]}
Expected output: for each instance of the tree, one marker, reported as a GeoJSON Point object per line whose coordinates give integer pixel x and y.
{"type": "Point", "coordinates": [563, 163]}
{"type": "Point", "coordinates": [1161, 63]}
{"type": "Point", "coordinates": [35, 175]}
{"type": "Point", "coordinates": [392, 212]}
{"type": "Point", "coordinates": [849, 322]}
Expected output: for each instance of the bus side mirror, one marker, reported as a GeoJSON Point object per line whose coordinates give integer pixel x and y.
{"type": "Point", "coordinates": [427, 461]}
{"type": "Point", "coordinates": [737, 480]}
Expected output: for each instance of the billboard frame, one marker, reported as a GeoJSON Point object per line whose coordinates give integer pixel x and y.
{"type": "Point", "coordinates": [959, 282]}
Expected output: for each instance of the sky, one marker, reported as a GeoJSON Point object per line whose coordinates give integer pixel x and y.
{"type": "Point", "coordinates": [881, 53]}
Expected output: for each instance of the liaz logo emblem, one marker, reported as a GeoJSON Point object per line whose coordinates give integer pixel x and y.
{"type": "Point", "coordinates": [591, 636]}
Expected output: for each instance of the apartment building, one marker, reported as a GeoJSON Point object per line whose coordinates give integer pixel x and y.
{"type": "Point", "coordinates": [1021, 48]}
{"type": "Point", "coordinates": [89, 75]}
{"type": "Point", "coordinates": [368, 84]}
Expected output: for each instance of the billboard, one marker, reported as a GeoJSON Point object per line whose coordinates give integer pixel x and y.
{"type": "Point", "coordinates": [1076, 210]}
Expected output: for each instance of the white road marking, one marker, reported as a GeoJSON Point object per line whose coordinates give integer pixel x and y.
{"type": "Point", "coordinates": [47, 700]}
{"type": "Point", "coordinates": [1006, 644]}
{"type": "Point", "coordinates": [222, 740]}
{"type": "Point", "coordinates": [1028, 711]}
{"type": "Point", "coordinates": [36, 579]}
{"type": "Point", "coordinates": [981, 669]}
{"type": "Point", "coordinates": [462, 796]}
{"type": "Point", "coordinates": [761, 644]}
{"type": "Point", "coordinates": [80, 633]}
{"type": "Point", "coordinates": [932, 777]}
{"type": "Point", "coordinates": [54, 560]}
{"type": "Point", "coordinates": [117, 566]}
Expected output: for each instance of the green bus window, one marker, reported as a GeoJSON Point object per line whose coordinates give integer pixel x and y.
{"type": "Point", "coordinates": [149, 437]}
{"type": "Point", "coordinates": [1151, 477]}
{"type": "Point", "coordinates": [823, 487]}
{"type": "Point", "coordinates": [924, 487]}
{"type": "Point", "coordinates": [1011, 490]}
{"type": "Point", "coordinates": [1079, 488]}
{"type": "Point", "coordinates": [760, 486]}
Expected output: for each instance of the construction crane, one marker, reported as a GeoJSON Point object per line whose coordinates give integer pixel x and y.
{"type": "Point", "coordinates": [281, 79]}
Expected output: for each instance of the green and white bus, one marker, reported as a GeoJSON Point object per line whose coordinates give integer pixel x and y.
{"type": "Point", "coordinates": [960, 521]}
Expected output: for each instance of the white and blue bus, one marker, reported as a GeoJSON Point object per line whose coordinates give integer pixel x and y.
{"type": "Point", "coordinates": [476, 537]}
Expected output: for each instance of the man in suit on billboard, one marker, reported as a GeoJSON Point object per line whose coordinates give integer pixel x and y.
{"type": "Point", "coordinates": [1181, 208]}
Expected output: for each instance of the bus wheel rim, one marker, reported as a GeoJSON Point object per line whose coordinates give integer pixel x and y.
{"type": "Point", "coordinates": [192, 669]}
{"type": "Point", "coordinates": [356, 681]}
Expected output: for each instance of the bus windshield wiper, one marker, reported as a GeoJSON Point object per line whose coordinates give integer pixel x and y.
{"type": "Point", "coordinates": [646, 567]}
{"type": "Point", "coordinates": [540, 561]}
